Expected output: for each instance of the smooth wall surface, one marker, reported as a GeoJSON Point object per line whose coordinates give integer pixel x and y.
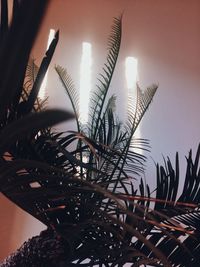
{"type": "Point", "coordinates": [164, 35]}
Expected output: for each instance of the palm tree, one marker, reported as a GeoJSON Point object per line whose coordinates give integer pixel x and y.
{"type": "Point", "coordinates": [94, 214]}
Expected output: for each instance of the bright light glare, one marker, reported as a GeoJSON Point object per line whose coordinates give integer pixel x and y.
{"type": "Point", "coordinates": [131, 72]}
{"type": "Point", "coordinates": [85, 81]}
{"type": "Point", "coordinates": [41, 94]}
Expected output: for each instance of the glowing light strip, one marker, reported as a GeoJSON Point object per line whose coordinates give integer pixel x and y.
{"type": "Point", "coordinates": [41, 94]}
{"type": "Point", "coordinates": [85, 81]}
{"type": "Point", "coordinates": [131, 72]}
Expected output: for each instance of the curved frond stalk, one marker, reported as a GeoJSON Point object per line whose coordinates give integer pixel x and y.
{"type": "Point", "coordinates": [156, 200]}
{"type": "Point", "coordinates": [136, 111]}
{"type": "Point", "coordinates": [65, 202]}
{"type": "Point", "coordinates": [98, 99]}
{"type": "Point", "coordinates": [71, 92]}
{"type": "Point", "coordinates": [185, 228]}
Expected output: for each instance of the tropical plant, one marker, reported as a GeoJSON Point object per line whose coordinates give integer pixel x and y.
{"type": "Point", "coordinates": [16, 41]}
{"type": "Point", "coordinates": [16, 113]}
{"type": "Point", "coordinates": [181, 208]}
{"type": "Point", "coordinates": [86, 197]}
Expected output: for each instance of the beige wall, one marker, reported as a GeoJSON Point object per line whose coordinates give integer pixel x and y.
{"type": "Point", "coordinates": [164, 35]}
{"type": "Point", "coordinates": [15, 227]}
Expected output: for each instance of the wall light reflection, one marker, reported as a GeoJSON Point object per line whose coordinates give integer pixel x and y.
{"type": "Point", "coordinates": [85, 80]}
{"type": "Point", "coordinates": [131, 72]}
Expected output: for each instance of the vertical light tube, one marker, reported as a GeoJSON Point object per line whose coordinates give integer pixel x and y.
{"type": "Point", "coordinates": [41, 94]}
{"type": "Point", "coordinates": [131, 72]}
{"type": "Point", "coordinates": [85, 81]}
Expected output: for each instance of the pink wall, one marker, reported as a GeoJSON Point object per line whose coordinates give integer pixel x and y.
{"type": "Point", "coordinates": [164, 36]}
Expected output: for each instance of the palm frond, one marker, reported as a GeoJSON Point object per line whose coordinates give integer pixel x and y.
{"type": "Point", "coordinates": [29, 104]}
{"type": "Point", "coordinates": [98, 99]}
{"type": "Point", "coordinates": [31, 74]}
{"type": "Point", "coordinates": [33, 122]}
{"type": "Point", "coordinates": [180, 211]}
{"type": "Point", "coordinates": [12, 83]}
{"type": "Point", "coordinates": [134, 118]}
{"type": "Point", "coordinates": [71, 92]}
{"type": "Point", "coordinates": [69, 205]}
{"type": "Point", "coordinates": [29, 80]}
{"type": "Point", "coordinates": [191, 189]}
{"type": "Point", "coordinates": [168, 181]}
{"type": "Point", "coordinates": [137, 109]}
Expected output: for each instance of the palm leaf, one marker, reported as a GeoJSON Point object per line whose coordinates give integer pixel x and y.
{"type": "Point", "coordinates": [71, 92]}
{"type": "Point", "coordinates": [98, 99]}
{"type": "Point", "coordinates": [71, 210]}
{"type": "Point", "coordinates": [137, 110]}
{"type": "Point", "coordinates": [11, 84]}
{"type": "Point", "coordinates": [182, 212]}
{"type": "Point", "coordinates": [28, 105]}
{"type": "Point", "coordinates": [142, 104]}
{"type": "Point", "coordinates": [31, 74]}
{"type": "Point", "coordinates": [33, 122]}
{"type": "Point", "coordinates": [30, 78]}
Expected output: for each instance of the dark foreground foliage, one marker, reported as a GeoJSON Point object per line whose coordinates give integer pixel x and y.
{"type": "Point", "coordinates": [86, 196]}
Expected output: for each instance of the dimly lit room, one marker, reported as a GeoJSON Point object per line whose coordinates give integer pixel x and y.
{"type": "Point", "coordinates": [99, 137]}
